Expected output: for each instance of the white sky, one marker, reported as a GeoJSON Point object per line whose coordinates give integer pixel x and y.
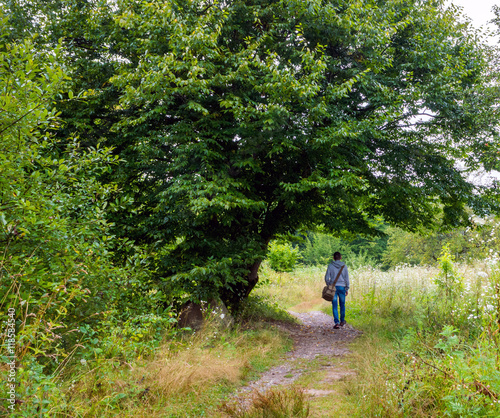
{"type": "Point", "coordinates": [478, 10]}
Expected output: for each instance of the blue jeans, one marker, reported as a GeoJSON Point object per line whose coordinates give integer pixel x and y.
{"type": "Point", "coordinates": [340, 294]}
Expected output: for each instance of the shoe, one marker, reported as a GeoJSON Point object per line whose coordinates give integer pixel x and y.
{"type": "Point", "coordinates": [342, 323]}
{"type": "Point", "coordinates": [336, 326]}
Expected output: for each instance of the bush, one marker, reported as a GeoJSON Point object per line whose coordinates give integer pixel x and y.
{"type": "Point", "coordinates": [56, 271]}
{"type": "Point", "coordinates": [448, 281]}
{"type": "Point", "coordinates": [282, 257]}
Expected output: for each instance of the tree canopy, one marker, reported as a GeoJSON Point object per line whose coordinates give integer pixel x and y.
{"type": "Point", "coordinates": [236, 122]}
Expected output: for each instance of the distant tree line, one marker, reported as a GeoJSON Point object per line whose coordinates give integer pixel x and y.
{"type": "Point", "coordinates": [479, 241]}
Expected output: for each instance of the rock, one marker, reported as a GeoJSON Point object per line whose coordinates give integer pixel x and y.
{"type": "Point", "coordinates": [191, 316]}
{"type": "Point", "coordinates": [195, 315]}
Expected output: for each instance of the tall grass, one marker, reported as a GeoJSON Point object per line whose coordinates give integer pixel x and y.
{"type": "Point", "coordinates": [431, 343]}
{"type": "Point", "coordinates": [431, 347]}
{"type": "Point", "coordinates": [425, 351]}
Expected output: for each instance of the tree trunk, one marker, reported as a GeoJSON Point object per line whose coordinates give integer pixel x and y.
{"type": "Point", "coordinates": [253, 277]}
{"type": "Point", "coordinates": [239, 292]}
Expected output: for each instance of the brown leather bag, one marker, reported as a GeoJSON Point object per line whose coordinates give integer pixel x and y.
{"type": "Point", "coordinates": [329, 290]}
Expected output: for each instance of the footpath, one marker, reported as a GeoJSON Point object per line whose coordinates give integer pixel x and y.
{"type": "Point", "coordinates": [314, 337]}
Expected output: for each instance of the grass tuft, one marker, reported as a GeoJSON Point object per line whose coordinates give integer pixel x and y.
{"type": "Point", "coordinates": [288, 402]}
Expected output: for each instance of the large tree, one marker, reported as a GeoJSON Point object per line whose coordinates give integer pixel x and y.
{"type": "Point", "coordinates": [240, 121]}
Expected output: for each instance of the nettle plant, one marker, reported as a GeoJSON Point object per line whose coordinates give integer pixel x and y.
{"type": "Point", "coordinates": [449, 281]}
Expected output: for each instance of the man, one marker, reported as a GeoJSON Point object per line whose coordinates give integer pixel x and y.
{"type": "Point", "coordinates": [342, 287]}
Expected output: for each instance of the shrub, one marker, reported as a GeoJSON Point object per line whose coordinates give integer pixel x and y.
{"type": "Point", "coordinates": [448, 281]}
{"type": "Point", "coordinates": [282, 257]}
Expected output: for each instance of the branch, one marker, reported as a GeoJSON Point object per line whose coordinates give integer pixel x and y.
{"type": "Point", "coordinates": [19, 119]}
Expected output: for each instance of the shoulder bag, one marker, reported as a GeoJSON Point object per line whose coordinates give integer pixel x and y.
{"type": "Point", "coordinates": [329, 290]}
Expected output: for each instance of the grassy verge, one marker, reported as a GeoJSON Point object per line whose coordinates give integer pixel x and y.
{"type": "Point", "coordinates": [185, 378]}
{"type": "Point", "coordinates": [192, 374]}
{"type": "Point", "coordinates": [430, 346]}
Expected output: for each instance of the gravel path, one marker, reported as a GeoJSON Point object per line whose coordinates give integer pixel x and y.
{"type": "Point", "coordinates": [314, 337]}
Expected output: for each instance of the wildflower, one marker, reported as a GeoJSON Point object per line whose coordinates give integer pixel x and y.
{"type": "Point", "coordinates": [83, 362]}
{"type": "Point", "coordinates": [222, 316]}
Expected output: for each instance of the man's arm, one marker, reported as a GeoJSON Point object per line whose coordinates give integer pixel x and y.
{"type": "Point", "coordinates": [328, 274]}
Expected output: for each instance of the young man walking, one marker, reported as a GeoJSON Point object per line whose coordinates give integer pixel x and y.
{"type": "Point", "coordinates": [341, 286]}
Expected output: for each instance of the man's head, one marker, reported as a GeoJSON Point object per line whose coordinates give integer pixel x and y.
{"type": "Point", "coordinates": [337, 256]}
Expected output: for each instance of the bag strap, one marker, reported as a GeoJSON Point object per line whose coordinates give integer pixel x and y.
{"type": "Point", "coordinates": [338, 275]}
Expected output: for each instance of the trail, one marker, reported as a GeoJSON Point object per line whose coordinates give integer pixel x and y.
{"type": "Point", "coordinates": [313, 337]}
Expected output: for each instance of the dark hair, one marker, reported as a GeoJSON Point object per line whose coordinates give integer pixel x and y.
{"type": "Point", "coordinates": [336, 255]}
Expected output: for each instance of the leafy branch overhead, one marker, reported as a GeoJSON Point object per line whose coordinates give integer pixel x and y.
{"type": "Point", "coordinates": [238, 122]}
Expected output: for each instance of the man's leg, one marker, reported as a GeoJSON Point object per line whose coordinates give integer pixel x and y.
{"type": "Point", "coordinates": [335, 310]}
{"type": "Point", "coordinates": [341, 296]}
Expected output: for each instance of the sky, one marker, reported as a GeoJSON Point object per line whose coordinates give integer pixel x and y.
{"type": "Point", "coordinates": [480, 13]}
{"type": "Point", "coordinates": [478, 10]}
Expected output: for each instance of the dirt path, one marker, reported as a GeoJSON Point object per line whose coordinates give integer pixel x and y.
{"type": "Point", "coordinates": [314, 337]}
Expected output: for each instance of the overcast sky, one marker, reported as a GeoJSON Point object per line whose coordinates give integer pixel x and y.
{"type": "Point", "coordinates": [480, 13]}
{"type": "Point", "coordinates": [478, 10]}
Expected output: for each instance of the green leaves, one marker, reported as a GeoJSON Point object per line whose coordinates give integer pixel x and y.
{"type": "Point", "coordinates": [238, 122]}
{"type": "Point", "coordinates": [282, 256]}
{"type": "Point", "coordinates": [55, 263]}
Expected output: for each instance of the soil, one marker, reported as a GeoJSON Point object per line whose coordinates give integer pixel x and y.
{"type": "Point", "coordinates": [313, 337]}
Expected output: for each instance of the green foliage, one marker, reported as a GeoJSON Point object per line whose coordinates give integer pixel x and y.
{"type": "Point", "coordinates": [262, 308]}
{"type": "Point", "coordinates": [444, 355]}
{"type": "Point", "coordinates": [481, 240]}
{"type": "Point", "coordinates": [236, 123]}
{"type": "Point", "coordinates": [452, 377]}
{"type": "Point", "coordinates": [49, 219]}
{"type": "Point", "coordinates": [56, 269]}
{"type": "Point", "coordinates": [318, 250]}
{"type": "Point", "coordinates": [448, 280]}
{"type": "Point", "coordinates": [282, 256]}
{"type": "Point", "coordinates": [137, 336]}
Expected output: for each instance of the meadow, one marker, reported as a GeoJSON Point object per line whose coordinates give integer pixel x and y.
{"type": "Point", "coordinates": [431, 337]}
{"type": "Point", "coordinates": [430, 347]}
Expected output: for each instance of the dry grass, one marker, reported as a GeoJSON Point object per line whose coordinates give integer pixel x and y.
{"type": "Point", "coordinates": [192, 369]}
{"type": "Point", "coordinates": [199, 366]}
{"type": "Point", "coordinates": [288, 402]}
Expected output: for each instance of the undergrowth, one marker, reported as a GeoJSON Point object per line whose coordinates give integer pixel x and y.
{"type": "Point", "coordinates": [430, 347]}
{"type": "Point", "coordinates": [140, 372]}
{"type": "Point", "coordinates": [431, 343]}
